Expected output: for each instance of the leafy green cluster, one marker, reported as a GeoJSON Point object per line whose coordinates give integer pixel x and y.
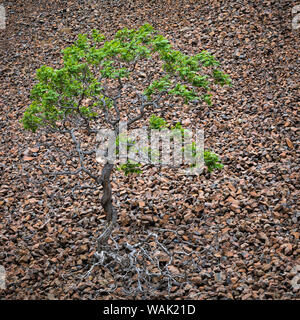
{"type": "Point", "coordinates": [130, 167]}
{"type": "Point", "coordinates": [59, 94]}
{"type": "Point", "coordinates": [123, 139]}
{"type": "Point", "coordinates": [212, 161]}
{"type": "Point", "coordinates": [157, 122]}
{"type": "Point", "coordinates": [184, 74]}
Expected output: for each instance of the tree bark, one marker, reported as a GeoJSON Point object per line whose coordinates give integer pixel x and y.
{"type": "Point", "coordinates": [106, 202]}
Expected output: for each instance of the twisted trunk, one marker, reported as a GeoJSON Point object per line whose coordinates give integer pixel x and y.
{"type": "Point", "coordinates": [106, 202]}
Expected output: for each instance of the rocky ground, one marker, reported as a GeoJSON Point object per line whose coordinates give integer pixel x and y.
{"type": "Point", "coordinates": [233, 234]}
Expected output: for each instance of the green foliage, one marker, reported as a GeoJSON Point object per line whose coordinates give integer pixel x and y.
{"type": "Point", "coordinates": [183, 91]}
{"type": "Point", "coordinates": [157, 122]}
{"type": "Point", "coordinates": [178, 126]}
{"type": "Point", "coordinates": [130, 167]}
{"type": "Point", "coordinates": [221, 78]}
{"type": "Point", "coordinates": [212, 161]}
{"type": "Point", "coordinates": [123, 139]}
{"type": "Point", "coordinates": [177, 130]}
{"type": "Point", "coordinates": [157, 86]}
{"type": "Point", "coordinates": [59, 93]}
{"type": "Point", "coordinates": [191, 149]}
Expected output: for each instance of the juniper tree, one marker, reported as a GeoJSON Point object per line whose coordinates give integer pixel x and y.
{"type": "Point", "coordinates": [103, 82]}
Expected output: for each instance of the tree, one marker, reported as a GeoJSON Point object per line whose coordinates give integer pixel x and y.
{"type": "Point", "coordinates": [101, 83]}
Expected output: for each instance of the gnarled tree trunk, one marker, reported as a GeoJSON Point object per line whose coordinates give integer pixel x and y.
{"type": "Point", "coordinates": [106, 201]}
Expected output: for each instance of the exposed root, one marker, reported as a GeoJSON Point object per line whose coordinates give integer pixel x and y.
{"type": "Point", "coordinates": [145, 267]}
